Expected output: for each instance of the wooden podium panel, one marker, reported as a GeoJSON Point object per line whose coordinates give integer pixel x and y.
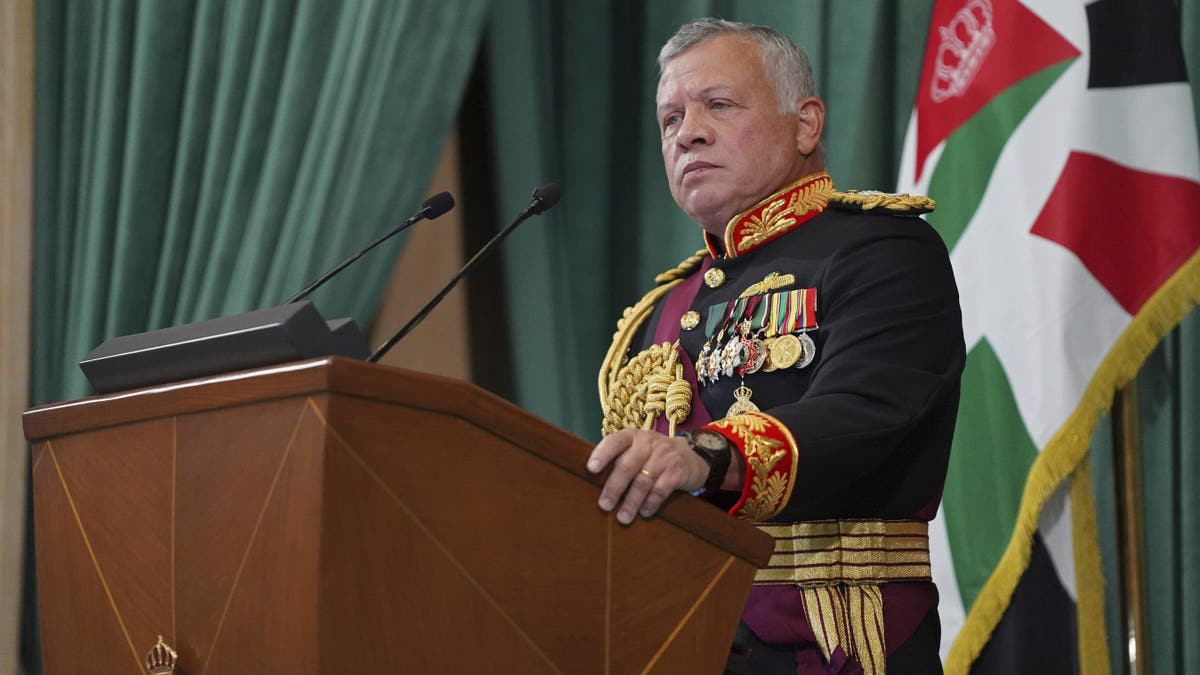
{"type": "Point", "coordinates": [334, 516]}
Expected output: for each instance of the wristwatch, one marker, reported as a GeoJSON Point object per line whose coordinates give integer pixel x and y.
{"type": "Point", "coordinates": [715, 449]}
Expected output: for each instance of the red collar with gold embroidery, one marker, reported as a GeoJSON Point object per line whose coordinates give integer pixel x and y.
{"type": "Point", "coordinates": [782, 212]}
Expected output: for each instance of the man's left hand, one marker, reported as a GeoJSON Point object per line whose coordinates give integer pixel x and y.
{"type": "Point", "coordinates": [647, 468]}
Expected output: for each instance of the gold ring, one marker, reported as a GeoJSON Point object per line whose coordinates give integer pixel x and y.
{"type": "Point", "coordinates": [647, 474]}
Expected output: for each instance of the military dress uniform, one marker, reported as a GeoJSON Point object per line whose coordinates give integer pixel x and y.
{"type": "Point", "coordinates": [823, 338]}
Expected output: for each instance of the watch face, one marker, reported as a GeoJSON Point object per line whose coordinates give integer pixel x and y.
{"type": "Point", "coordinates": [716, 450]}
{"type": "Point", "coordinates": [710, 440]}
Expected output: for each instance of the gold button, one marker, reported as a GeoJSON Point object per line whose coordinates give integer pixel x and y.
{"type": "Point", "coordinates": [690, 320]}
{"type": "Point", "coordinates": [714, 277]}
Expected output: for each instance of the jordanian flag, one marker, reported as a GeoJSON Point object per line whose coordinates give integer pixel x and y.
{"type": "Point", "coordinates": [1058, 139]}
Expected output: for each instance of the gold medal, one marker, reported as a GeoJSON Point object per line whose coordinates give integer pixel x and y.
{"type": "Point", "coordinates": [768, 364]}
{"type": "Point", "coordinates": [689, 320]}
{"type": "Point", "coordinates": [714, 277]}
{"type": "Point", "coordinates": [786, 351]}
{"type": "Point", "coordinates": [742, 402]}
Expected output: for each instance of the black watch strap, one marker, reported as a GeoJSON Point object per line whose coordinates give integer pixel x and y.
{"type": "Point", "coordinates": [715, 449]}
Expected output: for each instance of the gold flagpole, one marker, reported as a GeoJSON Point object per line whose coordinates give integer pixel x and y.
{"type": "Point", "coordinates": [1131, 533]}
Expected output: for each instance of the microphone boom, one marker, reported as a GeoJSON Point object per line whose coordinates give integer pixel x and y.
{"type": "Point", "coordinates": [544, 198]}
{"type": "Point", "coordinates": [431, 208]}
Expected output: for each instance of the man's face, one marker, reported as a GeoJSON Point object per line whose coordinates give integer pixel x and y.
{"type": "Point", "coordinates": [725, 144]}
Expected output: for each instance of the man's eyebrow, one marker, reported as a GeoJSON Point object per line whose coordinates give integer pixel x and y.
{"type": "Point", "coordinates": [703, 93]}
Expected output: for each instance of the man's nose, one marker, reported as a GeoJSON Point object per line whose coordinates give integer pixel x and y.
{"type": "Point", "coordinates": [695, 130]}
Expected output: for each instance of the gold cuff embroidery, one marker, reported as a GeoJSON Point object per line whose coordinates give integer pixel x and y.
{"type": "Point", "coordinates": [771, 455]}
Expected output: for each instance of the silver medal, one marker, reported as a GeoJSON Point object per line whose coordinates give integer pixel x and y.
{"type": "Point", "coordinates": [808, 350]}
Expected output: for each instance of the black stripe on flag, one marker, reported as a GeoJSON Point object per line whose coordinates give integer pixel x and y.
{"type": "Point", "coordinates": [1038, 632]}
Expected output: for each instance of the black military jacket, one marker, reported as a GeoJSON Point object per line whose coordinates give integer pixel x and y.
{"type": "Point", "coordinates": [872, 416]}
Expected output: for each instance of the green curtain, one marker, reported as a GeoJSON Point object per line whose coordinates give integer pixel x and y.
{"type": "Point", "coordinates": [197, 158]}
{"type": "Point", "coordinates": [1169, 394]}
{"type": "Point", "coordinates": [572, 88]}
{"type": "Point", "coordinates": [201, 158]}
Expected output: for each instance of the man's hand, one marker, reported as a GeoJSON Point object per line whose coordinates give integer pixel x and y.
{"type": "Point", "coordinates": [647, 468]}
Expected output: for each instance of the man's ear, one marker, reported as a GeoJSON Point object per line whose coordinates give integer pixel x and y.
{"type": "Point", "coordinates": [811, 113]}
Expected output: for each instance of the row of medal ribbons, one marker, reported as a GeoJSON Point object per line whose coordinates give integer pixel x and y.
{"type": "Point", "coordinates": [758, 333]}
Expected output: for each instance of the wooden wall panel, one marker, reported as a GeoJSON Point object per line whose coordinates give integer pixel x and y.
{"type": "Point", "coordinates": [432, 254]}
{"type": "Point", "coordinates": [16, 218]}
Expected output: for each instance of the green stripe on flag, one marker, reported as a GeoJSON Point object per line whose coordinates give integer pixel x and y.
{"type": "Point", "coordinates": [965, 168]}
{"type": "Point", "coordinates": [991, 456]}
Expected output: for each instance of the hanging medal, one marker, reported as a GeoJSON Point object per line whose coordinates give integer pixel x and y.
{"type": "Point", "coordinates": [740, 348]}
{"type": "Point", "coordinates": [709, 361]}
{"type": "Point", "coordinates": [756, 356]}
{"type": "Point", "coordinates": [769, 337]}
{"type": "Point", "coordinates": [741, 403]}
{"type": "Point", "coordinates": [753, 350]}
{"type": "Point", "coordinates": [791, 315]}
{"type": "Point", "coordinates": [808, 350]}
{"type": "Point", "coordinates": [730, 355]}
{"type": "Point", "coordinates": [785, 351]}
{"type": "Point", "coordinates": [806, 304]}
{"type": "Point", "coordinates": [703, 372]}
{"type": "Point", "coordinates": [702, 361]}
{"type": "Point", "coordinates": [752, 355]}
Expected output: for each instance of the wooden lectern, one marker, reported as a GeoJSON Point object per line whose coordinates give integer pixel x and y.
{"type": "Point", "coordinates": [333, 516]}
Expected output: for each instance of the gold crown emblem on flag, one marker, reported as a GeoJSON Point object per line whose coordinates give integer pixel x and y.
{"type": "Point", "coordinates": [964, 42]}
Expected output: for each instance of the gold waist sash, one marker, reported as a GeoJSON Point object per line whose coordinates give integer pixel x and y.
{"type": "Point", "coordinates": [838, 566]}
{"type": "Point", "coordinates": [834, 552]}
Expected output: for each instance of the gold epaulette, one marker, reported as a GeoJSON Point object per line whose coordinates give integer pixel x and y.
{"type": "Point", "coordinates": [882, 202]}
{"type": "Point", "coordinates": [632, 319]}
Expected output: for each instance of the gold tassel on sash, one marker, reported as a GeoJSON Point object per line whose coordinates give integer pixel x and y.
{"type": "Point", "coordinates": [849, 617]}
{"type": "Point", "coordinates": [839, 566]}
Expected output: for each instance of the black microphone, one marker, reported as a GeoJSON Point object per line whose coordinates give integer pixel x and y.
{"type": "Point", "coordinates": [544, 197]}
{"type": "Point", "coordinates": [431, 208]}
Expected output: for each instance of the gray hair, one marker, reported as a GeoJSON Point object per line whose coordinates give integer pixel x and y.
{"type": "Point", "coordinates": [784, 63]}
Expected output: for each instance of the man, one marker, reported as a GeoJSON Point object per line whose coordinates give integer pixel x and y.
{"type": "Point", "coordinates": [810, 354]}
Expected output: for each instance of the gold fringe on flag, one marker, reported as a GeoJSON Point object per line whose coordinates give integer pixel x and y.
{"type": "Point", "coordinates": [1089, 600]}
{"type": "Point", "coordinates": [1066, 449]}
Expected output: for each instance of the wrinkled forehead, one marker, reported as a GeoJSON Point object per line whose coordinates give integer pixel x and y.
{"type": "Point", "coordinates": [728, 60]}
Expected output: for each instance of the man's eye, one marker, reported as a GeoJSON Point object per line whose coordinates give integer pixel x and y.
{"type": "Point", "coordinates": [718, 105]}
{"type": "Point", "coordinates": [670, 120]}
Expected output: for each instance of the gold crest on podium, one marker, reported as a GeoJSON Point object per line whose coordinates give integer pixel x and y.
{"type": "Point", "coordinates": [160, 660]}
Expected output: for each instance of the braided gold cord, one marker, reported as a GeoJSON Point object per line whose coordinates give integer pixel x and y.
{"type": "Point", "coordinates": [622, 384]}
{"type": "Point", "coordinates": [639, 394]}
{"type": "Point", "coordinates": [627, 327]}
{"type": "Point", "coordinates": [632, 319]}
{"type": "Point", "coordinates": [679, 400]}
{"type": "Point", "coordinates": [658, 380]}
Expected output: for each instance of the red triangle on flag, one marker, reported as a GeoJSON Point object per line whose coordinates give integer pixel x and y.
{"type": "Point", "coordinates": [1131, 229]}
{"type": "Point", "coordinates": [977, 49]}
